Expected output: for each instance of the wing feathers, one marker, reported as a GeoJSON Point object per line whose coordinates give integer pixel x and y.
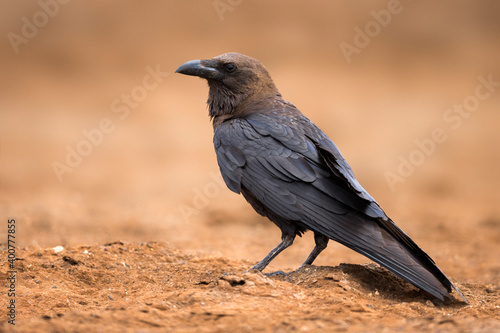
{"type": "Point", "coordinates": [302, 177]}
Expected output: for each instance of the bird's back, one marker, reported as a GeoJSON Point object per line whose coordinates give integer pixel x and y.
{"type": "Point", "coordinates": [291, 172]}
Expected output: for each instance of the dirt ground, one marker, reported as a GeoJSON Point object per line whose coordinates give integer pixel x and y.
{"type": "Point", "coordinates": [139, 232]}
{"type": "Point", "coordinates": [151, 287]}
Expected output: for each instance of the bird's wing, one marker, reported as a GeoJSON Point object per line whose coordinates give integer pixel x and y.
{"type": "Point", "coordinates": [301, 176]}
{"type": "Point", "coordinates": [304, 138]}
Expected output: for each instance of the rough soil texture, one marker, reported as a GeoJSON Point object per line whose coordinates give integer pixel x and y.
{"type": "Point", "coordinates": [151, 287]}
{"type": "Point", "coordinates": [152, 239]}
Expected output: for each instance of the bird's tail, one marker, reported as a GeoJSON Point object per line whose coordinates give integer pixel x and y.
{"type": "Point", "coordinates": [385, 243]}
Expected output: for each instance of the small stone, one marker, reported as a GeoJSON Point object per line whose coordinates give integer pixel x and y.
{"type": "Point", "coordinates": [58, 249]}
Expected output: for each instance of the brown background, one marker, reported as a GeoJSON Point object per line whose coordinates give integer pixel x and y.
{"type": "Point", "coordinates": [155, 178]}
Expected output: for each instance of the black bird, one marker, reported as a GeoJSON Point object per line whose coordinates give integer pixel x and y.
{"type": "Point", "coordinates": [293, 173]}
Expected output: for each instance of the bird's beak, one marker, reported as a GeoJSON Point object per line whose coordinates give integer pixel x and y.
{"type": "Point", "coordinates": [199, 68]}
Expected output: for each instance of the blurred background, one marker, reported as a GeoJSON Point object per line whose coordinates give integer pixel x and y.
{"type": "Point", "coordinates": [96, 79]}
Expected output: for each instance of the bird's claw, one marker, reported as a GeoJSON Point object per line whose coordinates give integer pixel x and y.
{"type": "Point", "coordinates": [252, 270]}
{"type": "Point", "coordinates": [277, 273]}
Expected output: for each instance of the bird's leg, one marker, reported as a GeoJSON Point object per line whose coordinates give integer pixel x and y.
{"type": "Point", "coordinates": [321, 243]}
{"type": "Point", "coordinates": [286, 241]}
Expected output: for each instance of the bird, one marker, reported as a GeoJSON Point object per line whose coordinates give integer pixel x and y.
{"type": "Point", "coordinates": [291, 172]}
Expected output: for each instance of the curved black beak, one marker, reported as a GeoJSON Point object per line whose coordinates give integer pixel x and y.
{"type": "Point", "coordinates": [199, 68]}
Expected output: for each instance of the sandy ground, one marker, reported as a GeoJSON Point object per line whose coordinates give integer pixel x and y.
{"type": "Point", "coordinates": [151, 238]}
{"type": "Point", "coordinates": [154, 288]}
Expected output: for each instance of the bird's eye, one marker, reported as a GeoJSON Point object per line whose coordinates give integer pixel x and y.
{"type": "Point", "coordinates": [230, 67]}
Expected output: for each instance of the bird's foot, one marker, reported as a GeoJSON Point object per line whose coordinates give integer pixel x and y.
{"type": "Point", "coordinates": [257, 268]}
{"type": "Point", "coordinates": [304, 267]}
{"type": "Point", "coordinates": [277, 273]}
{"type": "Point", "coordinates": [254, 269]}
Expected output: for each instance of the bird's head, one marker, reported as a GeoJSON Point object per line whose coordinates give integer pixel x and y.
{"type": "Point", "coordinates": [235, 80]}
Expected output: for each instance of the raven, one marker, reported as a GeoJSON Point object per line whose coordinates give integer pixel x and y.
{"type": "Point", "coordinates": [292, 173]}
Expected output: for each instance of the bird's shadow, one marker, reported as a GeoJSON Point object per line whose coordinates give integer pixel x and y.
{"type": "Point", "coordinates": [367, 278]}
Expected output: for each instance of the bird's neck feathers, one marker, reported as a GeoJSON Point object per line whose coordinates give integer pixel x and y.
{"type": "Point", "coordinates": [222, 100]}
{"type": "Point", "coordinates": [224, 103]}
